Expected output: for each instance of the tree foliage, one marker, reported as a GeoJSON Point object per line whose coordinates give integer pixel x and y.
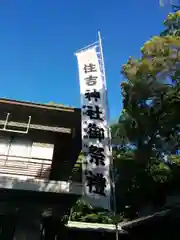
{"type": "Point", "coordinates": [84, 212]}
{"type": "Point", "coordinates": [151, 97]}
{"type": "Point", "coordinates": [147, 133]}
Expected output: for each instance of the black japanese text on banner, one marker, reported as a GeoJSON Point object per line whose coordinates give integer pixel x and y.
{"type": "Point", "coordinates": [95, 142]}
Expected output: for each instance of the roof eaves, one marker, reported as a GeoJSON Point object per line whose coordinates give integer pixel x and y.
{"type": "Point", "coordinates": [38, 105]}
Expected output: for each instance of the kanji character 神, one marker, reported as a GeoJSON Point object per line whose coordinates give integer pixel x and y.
{"type": "Point", "coordinates": [95, 94]}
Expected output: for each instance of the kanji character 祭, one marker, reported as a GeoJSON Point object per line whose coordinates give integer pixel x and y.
{"type": "Point", "coordinates": [96, 183]}
{"type": "Point", "coordinates": [97, 155]}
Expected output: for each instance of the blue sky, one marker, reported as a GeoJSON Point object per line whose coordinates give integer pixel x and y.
{"type": "Point", "coordinates": [38, 39]}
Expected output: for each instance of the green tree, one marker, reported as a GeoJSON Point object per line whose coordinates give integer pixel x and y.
{"type": "Point", "coordinates": [148, 128]}
{"type": "Point", "coordinates": [151, 96]}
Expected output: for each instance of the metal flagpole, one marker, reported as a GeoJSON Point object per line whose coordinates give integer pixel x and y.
{"type": "Point", "coordinates": [109, 133]}
{"type": "Point", "coordinates": [102, 58]}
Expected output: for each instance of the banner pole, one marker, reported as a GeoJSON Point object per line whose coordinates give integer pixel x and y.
{"type": "Point", "coordinates": [109, 133]}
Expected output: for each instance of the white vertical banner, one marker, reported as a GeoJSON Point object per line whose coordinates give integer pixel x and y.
{"type": "Point", "coordinates": [95, 137]}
